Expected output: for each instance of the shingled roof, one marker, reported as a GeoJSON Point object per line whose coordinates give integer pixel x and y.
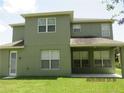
{"type": "Point", "coordinates": [94, 42]}
{"type": "Point", "coordinates": [16, 44]}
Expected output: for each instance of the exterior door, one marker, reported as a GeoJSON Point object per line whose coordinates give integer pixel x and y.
{"type": "Point", "coordinates": [13, 63]}
{"type": "Point", "coordinates": [80, 62]}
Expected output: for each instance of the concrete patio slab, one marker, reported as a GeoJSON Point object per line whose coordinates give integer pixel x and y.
{"type": "Point", "coordinates": [97, 75]}
{"type": "Point", "coordinates": [9, 77]}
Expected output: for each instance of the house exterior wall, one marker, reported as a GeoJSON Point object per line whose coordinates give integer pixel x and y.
{"type": "Point", "coordinates": [90, 29]}
{"type": "Point", "coordinates": [4, 62]}
{"type": "Point", "coordinates": [18, 33]}
{"type": "Point", "coordinates": [30, 63]}
{"type": "Point", "coordinates": [61, 36]}
{"type": "Point", "coordinates": [29, 58]}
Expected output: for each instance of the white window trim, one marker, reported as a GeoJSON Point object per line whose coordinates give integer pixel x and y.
{"type": "Point", "coordinates": [104, 31]}
{"type": "Point", "coordinates": [10, 63]}
{"type": "Point", "coordinates": [76, 25]}
{"type": "Point", "coordinates": [50, 61]}
{"type": "Point", "coordinates": [46, 25]}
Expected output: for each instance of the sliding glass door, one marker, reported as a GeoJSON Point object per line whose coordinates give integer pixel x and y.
{"type": "Point", "coordinates": [80, 61]}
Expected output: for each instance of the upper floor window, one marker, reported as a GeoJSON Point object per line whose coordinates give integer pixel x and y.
{"type": "Point", "coordinates": [76, 28]}
{"type": "Point", "coordinates": [46, 24]}
{"type": "Point", "coordinates": [105, 30]}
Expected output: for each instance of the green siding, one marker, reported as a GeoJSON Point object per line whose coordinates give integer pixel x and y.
{"type": "Point", "coordinates": [90, 29]}
{"type": "Point", "coordinates": [18, 33]}
{"type": "Point", "coordinates": [30, 63]}
{"type": "Point", "coordinates": [61, 36]}
{"type": "Point", "coordinates": [4, 62]}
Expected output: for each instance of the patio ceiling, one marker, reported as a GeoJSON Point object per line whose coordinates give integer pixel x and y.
{"type": "Point", "coordinates": [94, 42]}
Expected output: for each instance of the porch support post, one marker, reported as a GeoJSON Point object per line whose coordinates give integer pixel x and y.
{"type": "Point", "coordinates": [122, 60]}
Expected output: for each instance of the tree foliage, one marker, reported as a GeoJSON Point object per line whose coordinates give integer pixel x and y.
{"type": "Point", "coordinates": [118, 7]}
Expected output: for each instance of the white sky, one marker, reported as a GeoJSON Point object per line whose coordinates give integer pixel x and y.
{"type": "Point", "coordinates": [10, 11]}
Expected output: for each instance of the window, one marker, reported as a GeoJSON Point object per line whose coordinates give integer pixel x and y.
{"type": "Point", "coordinates": [76, 28]}
{"type": "Point", "coordinates": [80, 59]}
{"type": "Point", "coordinates": [105, 28]}
{"type": "Point", "coordinates": [51, 24]}
{"type": "Point", "coordinates": [46, 25]}
{"type": "Point", "coordinates": [102, 59]}
{"type": "Point", "coordinates": [42, 25]}
{"type": "Point", "coordinates": [50, 59]}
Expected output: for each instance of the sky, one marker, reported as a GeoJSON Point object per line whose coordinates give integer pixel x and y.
{"type": "Point", "coordinates": [10, 11]}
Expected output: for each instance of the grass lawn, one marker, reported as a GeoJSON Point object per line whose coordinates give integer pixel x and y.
{"type": "Point", "coordinates": [61, 85]}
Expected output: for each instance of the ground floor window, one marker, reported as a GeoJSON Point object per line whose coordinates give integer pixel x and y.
{"type": "Point", "coordinates": [80, 59]}
{"type": "Point", "coordinates": [50, 59]}
{"type": "Point", "coordinates": [102, 59]}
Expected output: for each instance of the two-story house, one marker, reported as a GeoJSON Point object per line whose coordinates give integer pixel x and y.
{"type": "Point", "coordinates": [56, 44]}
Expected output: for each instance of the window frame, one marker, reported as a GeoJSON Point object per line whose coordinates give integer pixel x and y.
{"type": "Point", "coordinates": [50, 60]}
{"type": "Point", "coordinates": [46, 19]}
{"type": "Point", "coordinates": [81, 56]}
{"type": "Point", "coordinates": [102, 59]}
{"type": "Point", "coordinates": [74, 25]}
{"type": "Point", "coordinates": [105, 32]}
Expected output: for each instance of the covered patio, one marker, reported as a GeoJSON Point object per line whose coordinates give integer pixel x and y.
{"type": "Point", "coordinates": [97, 75]}
{"type": "Point", "coordinates": [96, 57]}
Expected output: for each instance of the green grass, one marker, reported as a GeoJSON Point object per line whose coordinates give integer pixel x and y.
{"type": "Point", "coordinates": [61, 85]}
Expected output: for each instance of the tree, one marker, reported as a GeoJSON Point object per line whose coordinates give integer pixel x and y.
{"type": "Point", "coordinates": [117, 7]}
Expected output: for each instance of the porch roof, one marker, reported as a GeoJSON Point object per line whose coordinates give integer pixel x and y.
{"type": "Point", "coordinates": [94, 42]}
{"type": "Point", "coordinates": [13, 45]}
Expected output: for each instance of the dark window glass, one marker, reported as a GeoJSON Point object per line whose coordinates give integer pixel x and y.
{"type": "Point", "coordinates": [54, 64]}
{"type": "Point", "coordinates": [42, 28]}
{"type": "Point", "coordinates": [98, 63]}
{"type": "Point", "coordinates": [107, 63]}
{"type": "Point", "coordinates": [51, 28]}
{"type": "Point", "coordinates": [45, 64]}
{"type": "Point", "coordinates": [76, 30]}
{"type": "Point", "coordinates": [85, 63]}
{"type": "Point", "coordinates": [76, 64]}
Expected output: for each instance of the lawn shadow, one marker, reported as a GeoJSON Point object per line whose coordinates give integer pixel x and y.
{"type": "Point", "coordinates": [30, 78]}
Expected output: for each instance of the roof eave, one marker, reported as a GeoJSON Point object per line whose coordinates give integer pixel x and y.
{"type": "Point", "coordinates": [16, 25]}
{"type": "Point", "coordinates": [73, 45]}
{"type": "Point", "coordinates": [48, 14]}
{"type": "Point", "coordinates": [93, 20]}
{"type": "Point", "coordinates": [15, 47]}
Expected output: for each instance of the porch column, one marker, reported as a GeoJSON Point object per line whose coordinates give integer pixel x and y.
{"type": "Point", "coordinates": [122, 60]}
